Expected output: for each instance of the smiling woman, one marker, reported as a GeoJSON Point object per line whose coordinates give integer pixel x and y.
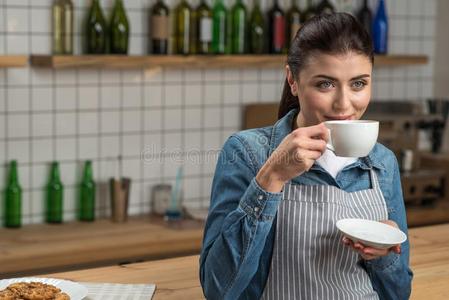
{"type": "Point", "coordinates": [278, 192]}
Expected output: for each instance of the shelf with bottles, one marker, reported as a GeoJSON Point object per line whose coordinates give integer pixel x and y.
{"type": "Point", "coordinates": [13, 61]}
{"type": "Point", "coordinates": [192, 61]}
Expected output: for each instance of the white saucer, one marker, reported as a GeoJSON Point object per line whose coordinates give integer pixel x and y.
{"type": "Point", "coordinates": [371, 233]}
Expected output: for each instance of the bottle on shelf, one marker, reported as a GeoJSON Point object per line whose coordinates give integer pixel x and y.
{"type": "Point", "coordinates": [276, 29]}
{"type": "Point", "coordinates": [87, 194]}
{"type": "Point", "coordinates": [365, 17]}
{"type": "Point", "coordinates": [96, 30]}
{"type": "Point", "coordinates": [293, 19]}
{"type": "Point", "coordinates": [238, 23]}
{"type": "Point", "coordinates": [380, 29]}
{"type": "Point", "coordinates": [257, 31]}
{"type": "Point", "coordinates": [62, 25]}
{"type": "Point", "coordinates": [309, 12]}
{"type": "Point", "coordinates": [55, 196]}
{"type": "Point", "coordinates": [13, 198]}
{"type": "Point", "coordinates": [325, 7]}
{"type": "Point", "coordinates": [203, 16]}
{"type": "Point", "coordinates": [119, 29]}
{"type": "Point", "coordinates": [219, 27]}
{"type": "Point", "coordinates": [183, 29]}
{"type": "Point", "coordinates": [159, 28]}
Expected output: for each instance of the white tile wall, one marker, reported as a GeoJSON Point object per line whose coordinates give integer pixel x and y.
{"type": "Point", "coordinates": [154, 120]}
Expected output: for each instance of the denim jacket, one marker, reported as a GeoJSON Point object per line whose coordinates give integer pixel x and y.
{"type": "Point", "coordinates": [239, 234]}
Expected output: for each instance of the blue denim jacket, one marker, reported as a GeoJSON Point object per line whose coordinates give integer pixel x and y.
{"type": "Point", "coordinates": [239, 234]}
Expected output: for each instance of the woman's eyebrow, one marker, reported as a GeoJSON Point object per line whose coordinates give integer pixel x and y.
{"type": "Point", "coordinates": [335, 79]}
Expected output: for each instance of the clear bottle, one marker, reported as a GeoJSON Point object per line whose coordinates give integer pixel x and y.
{"type": "Point", "coordinates": [239, 20]}
{"type": "Point", "coordinates": [55, 196]}
{"type": "Point", "coordinates": [119, 29]}
{"type": "Point", "coordinates": [13, 198]}
{"type": "Point", "coordinates": [62, 27]}
{"type": "Point", "coordinates": [96, 30]}
{"type": "Point", "coordinates": [159, 29]}
{"type": "Point", "coordinates": [219, 27]}
{"type": "Point", "coordinates": [87, 194]}
{"type": "Point", "coordinates": [257, 32]}
{"type": "Point", "coordinates": [204, 28]}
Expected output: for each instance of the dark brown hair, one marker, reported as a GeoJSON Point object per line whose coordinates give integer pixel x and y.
{"type": "Point", "coordinates": [337, 33]}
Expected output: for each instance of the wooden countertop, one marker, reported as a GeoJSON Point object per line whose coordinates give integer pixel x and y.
{"type": "Point", "coordinates": [178, 278]}
{"type": "Point", "coordinates": [48, 248]}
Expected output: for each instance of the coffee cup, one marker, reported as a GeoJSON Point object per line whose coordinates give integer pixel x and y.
{"type": "Point", "coordinates": [352, 138]}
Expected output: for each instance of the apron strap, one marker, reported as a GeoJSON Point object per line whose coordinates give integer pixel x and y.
{"type": "Point", "coordinates": [374, 179]}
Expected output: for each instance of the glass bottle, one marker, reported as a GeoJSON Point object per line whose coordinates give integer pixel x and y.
{"type": "Point", "coordinates": [276, 29]}
{"type": "Point", "coordinates": [380, 29]}
{"type": "Point", "coordinates": [62, 24]}
{"type": "Point", "coordinates": [219, 27]}
{"type": "Point", "coordinates": [183, 28]}
{"type": "Point", "coordinates": [325, 7]}
{"type": "Point", "coordinates": [293, 19]}
{"type": "Point", "coordinates": [13, 198]}
{"type": "Point", "coordinates": [310, 11]}
{"type": "Point", "coordinates": [257, 33]}
{"type": "Point", "coordinates": [87, 194]}
{"type": "Point", "coordinates": [204, 28]}
{"type": "Point", "coordinates": [96, 30]}
{"type": "Point", "coordinates": [55, 195]}
{"type": "Point", "coordinates": [239, 28]}
{"type": "Point", "coordinates": [365, 17]}
{"type": "Point", "coordinates": [119, 29]}
{"type": "Point", "coordinates": [159, 28]}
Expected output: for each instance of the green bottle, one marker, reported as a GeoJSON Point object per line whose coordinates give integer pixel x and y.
{"type": "Point", "coordinates": [87, 194]}
{"type": "Point", "coordinates": [310, 11]}
{"type": "Point", "coordinates": [13, 198]}
{"type": "Point", "coordinates": [183, 28]}
{"type": "Point", "coordinates": [219, 29]}
{"type": "Point", "coordinates": [96, 30]}
{"type": "Point", "coordinates": [62, 24]}
{"type": "Point", "coordinates": [119, 29]}
{"type": "Point", "coordinates": [293, 22]}
{"type": "Point", "coordinates": [257, 32]}
{"type": "Point", "coordinates": [239, 17]}
{"type": "Point", "coordinates": [55, 195]}
{"type": "Point", "coordinates": [159, 28]}
{"type": "Point", "coordinates": [203, 16]}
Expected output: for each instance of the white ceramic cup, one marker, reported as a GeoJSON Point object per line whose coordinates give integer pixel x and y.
{"type": "Point", "coordinates": [352, 138]}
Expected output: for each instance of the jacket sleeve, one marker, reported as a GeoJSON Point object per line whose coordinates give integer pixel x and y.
{"type": "Point", "coordinates": [391, 275]}
{"type": "Point", "coordinates": [240, 218]}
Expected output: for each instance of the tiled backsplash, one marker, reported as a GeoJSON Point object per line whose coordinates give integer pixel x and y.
{"type": "Point", "coordinates": [145, 123]}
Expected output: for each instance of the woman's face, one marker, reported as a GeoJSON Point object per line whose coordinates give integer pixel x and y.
{"type": "Point", "coordinates": [333, 87]}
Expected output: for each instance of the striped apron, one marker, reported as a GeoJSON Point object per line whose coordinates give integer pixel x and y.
{"type": "Point", "coordinates": [309, 259]}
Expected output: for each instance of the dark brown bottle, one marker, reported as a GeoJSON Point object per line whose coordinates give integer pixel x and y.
{"type": "Point", "coordinates": [276, 29]}
{"type": "Point", "coordinates": [159, 28]}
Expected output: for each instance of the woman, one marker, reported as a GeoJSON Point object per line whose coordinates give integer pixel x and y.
{"type": "Point", "coordinates": [277, 191]}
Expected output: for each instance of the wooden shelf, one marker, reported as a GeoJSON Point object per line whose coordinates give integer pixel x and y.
{"type": "Point", "coordinates": [50, 247]}
{"type": "Point", "coordinates": [13, 61]}
{"type": "Point", "coordinates": [191, 62]}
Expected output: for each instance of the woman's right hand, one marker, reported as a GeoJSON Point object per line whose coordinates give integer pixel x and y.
{"type": "Point", "coordinates": [295, 155]}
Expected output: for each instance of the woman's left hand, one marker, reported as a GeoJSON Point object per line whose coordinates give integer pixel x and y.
{"type": "Point", "coordinates": [368, 252]}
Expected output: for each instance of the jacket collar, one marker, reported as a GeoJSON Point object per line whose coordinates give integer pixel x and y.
{"type": "Point", "coordinates": [284, 126]}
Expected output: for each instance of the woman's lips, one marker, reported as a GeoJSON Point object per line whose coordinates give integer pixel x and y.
{"type": "Point", "coordinates": [349, 117]}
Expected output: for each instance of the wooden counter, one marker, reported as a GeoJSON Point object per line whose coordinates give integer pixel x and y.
{"type": "Point", "coordinates": [178, 278]}
{"type": "Point", "coordinates": [48, 248]}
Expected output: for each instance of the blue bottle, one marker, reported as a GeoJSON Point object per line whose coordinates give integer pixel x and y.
{"type": "Point", "coordinates": [380, 29]}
